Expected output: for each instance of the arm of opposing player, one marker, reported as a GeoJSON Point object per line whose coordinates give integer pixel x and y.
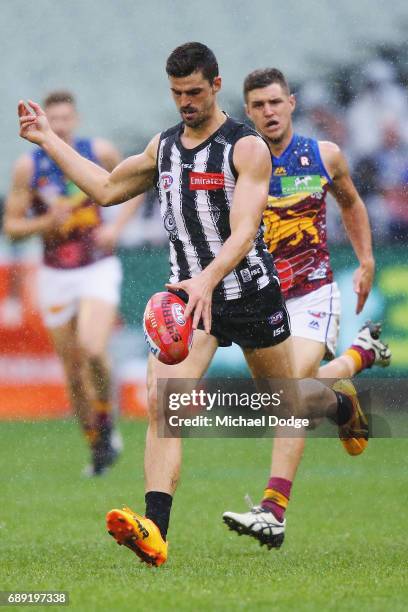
{"type": "Point", "coordinates": [16, 224]}
{"type": "Point", "coordinates": [356, 222]}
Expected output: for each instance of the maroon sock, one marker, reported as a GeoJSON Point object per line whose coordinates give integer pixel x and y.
{"type": "Point", "coordinates": [276, 496]}
{"type": "Point", "coordinates": [367, 356]}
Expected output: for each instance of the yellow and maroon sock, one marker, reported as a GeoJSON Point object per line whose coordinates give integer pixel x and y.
{"type": "Point", "coordinates": [276, 496]}
{"type": "Point", "coordinates": [91, 435]}
{"type": "Point", "coordinates": [363, 358]}
{"type": "Point", "coordinates": [103, 416]}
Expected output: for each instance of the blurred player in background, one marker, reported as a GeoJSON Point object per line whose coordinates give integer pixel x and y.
{"type": "Point", "coordinates": [213, 176]}
{"type": "Point", "coordinates": [80, 280]}
{"type": "Point", "coordinates": [304, 171]}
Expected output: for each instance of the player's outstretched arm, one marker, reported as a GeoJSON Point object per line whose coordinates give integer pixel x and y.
{"type": "Point", "coordinates": [355, 219]}
{"type": "Point", "coordinates": [130, 178]}
{"type": "Point", "coordinates": [253, 163]}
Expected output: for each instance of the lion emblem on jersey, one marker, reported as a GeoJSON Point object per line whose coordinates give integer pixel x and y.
{"type": "Point", "coordinates": [294, 228]}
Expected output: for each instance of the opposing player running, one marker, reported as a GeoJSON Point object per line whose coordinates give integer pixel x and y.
{"type": "Point", "coordinates": [212, 174]}
{"type": "Point", "coordinates": [79, 282]}
{"type": "Point", "coordinates": [303, 172]}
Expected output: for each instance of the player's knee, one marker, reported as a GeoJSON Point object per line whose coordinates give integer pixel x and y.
{"type": "Point", "coordinates": [93, 349]}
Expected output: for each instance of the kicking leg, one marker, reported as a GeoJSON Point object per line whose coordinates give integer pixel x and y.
{"type": "Point", "coordinates": [146, 535]}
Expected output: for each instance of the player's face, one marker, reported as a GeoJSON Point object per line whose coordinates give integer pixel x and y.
{"type": "Point", "coordinates": [195, 97]}
{"type": "Point", "coordinates": [63, 119]}
{"type": "Point", "coordinates": [270, 108]}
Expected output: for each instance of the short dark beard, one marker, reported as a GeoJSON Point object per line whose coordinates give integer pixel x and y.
{"type": "Point", "coordinates": [276, 141]}
{"type": "Point", "coordinates": [195, 123]}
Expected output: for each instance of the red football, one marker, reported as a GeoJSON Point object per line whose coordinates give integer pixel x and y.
{"type": "Point", "coordinates": [168, 334]}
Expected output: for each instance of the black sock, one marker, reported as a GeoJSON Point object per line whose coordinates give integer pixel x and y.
{"type": "Point", "coordinates": [158, 506]}
{"type": "Point", "coordinates": [344, 409]}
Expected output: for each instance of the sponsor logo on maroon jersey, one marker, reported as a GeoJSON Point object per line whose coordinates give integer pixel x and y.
{"type": "Point", "coordinates": [206, 180]}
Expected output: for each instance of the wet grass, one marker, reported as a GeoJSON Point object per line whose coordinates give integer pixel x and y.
{"type": "Point", "coordinates": [346, 546]}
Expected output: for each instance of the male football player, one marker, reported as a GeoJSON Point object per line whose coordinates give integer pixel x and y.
{"type": "Point", "coordinates": [80, 279]}
{"type": "Point", "coordinates": [304, 171]}
{"type": "Point", "coordinates": [213, 178]}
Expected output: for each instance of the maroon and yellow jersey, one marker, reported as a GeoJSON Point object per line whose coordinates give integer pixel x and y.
{"type": "Point", "coordinates": [73, 245]}
{"type": "Point", "coordinates": [295, 218]}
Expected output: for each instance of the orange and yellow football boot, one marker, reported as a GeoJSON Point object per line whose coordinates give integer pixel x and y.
{"type": "Point", "coordinates": [139, 534]}
{"type": "Point", "coordinates": [354, 433]}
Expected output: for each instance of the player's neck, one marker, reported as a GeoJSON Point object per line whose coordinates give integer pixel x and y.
{"type": "Point", "coordinates": [192, 137]}
{"type": "Point", "coordinates": [277, 148]}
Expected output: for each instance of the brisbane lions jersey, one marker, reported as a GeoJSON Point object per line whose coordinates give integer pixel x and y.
{"type": "Point", "coordinates": [295, 219]}
{"type": "Point", "coordinates": [72, 245]}
{"type": "Point", "coordinates": [195, 188]}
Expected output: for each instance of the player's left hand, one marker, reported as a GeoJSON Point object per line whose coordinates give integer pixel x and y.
{"type": "Point", "coordinates": [199, 290]}
{"type": "Point", "coordinates": [362, 283]}
{"type": "Point", "coordinates": [106, 236]}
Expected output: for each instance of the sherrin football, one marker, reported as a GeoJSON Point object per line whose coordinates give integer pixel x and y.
{"type": "Point", "coordinates": [168, 334]}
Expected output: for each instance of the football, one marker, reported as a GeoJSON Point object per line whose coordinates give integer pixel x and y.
{"type": "Point", "coordinates": [168, 334]}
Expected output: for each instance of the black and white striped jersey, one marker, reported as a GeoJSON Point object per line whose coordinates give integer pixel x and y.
{"type": "Point", "coordinates": [195, 188]}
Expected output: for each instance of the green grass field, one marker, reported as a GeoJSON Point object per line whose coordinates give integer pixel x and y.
{"type": "Point", "coordinates": [346, 546]}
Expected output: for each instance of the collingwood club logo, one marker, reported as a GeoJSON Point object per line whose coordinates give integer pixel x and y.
{"type": "Point", "coordinates": [166, 181]}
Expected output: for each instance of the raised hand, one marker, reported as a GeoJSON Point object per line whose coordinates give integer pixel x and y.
{"type": "Point", "coordinates": [34, 124]}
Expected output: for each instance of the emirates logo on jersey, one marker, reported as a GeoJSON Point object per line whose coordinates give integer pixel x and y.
{"type": "Point", "coordinates": [206, 180]}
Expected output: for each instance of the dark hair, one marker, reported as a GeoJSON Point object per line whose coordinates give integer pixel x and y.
{"type": "Point", "coordinates": [192, 57]}
{"type": "Point", "coordinates": [58, 97]}
{"type": "Point", "coordinates": [262, 78]}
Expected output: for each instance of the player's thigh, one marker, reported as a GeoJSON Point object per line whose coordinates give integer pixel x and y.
{"type": "Point", "coordinates": [276, 361]}
{"type": "Point", "coordinates": [96, 318]}
{"type": "Point", "coordinates": [57, 293]}
{"type": "Point", "coordinates": [98, 301]}
{"type": "Point", "coordinates": [308, 355]}
{"type": "Point", "coordinates": [180, 377]}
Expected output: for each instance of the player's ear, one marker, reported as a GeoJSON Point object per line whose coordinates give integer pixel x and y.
{"type": "Point", "coordinates": [246, 107]}
{"type": "Point", "coordinates": [292, 102]}
{"type": "Point", "coordinates": [216, 84]}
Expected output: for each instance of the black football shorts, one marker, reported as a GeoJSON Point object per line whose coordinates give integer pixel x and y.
{"type": "Point", "coordinates": [254, 321]}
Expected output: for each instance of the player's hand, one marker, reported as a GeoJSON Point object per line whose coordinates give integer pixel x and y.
{"type": "Point", "coordinates": [34, 124]}
{"type": "Point", "coordinates": [199, 290]}
{"type": "Point", "coordinates": [106, 236]}
{"type": "Point", "coordinates": [362, 283]}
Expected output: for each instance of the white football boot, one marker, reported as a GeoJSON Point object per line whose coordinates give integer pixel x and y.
{"type": "Point", "coordinates": [368, 338]}
{"type": "Point", "coordinates": [259, 524]}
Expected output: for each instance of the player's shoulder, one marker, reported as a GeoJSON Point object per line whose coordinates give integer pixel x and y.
{"type": "Point", "coordinates": [102, 146]}
{"type": "Point", "coordinates": [329, 149]}
{"type": "Point", "coordinates": [24, 167]}
{"type": "Point", "coordinates": [235, 130]}
{"type": "Point", "coordinates": [251, 152]}
{"type": "Point", "coordinates": [170, 132]}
